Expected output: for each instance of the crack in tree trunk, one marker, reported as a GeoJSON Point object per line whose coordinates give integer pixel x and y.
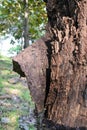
{"type": "Point", "coordinates": [68, 61]}
{"type": "Point", "coordinates": [57, 64]}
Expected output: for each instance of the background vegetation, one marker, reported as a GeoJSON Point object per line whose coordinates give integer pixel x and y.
{"type": "Point", "coordinates": [13, 19]}
{"type": "Point", "coordinates": [16, 106]}
{"type": "Point", "coordinates": [15, 99]}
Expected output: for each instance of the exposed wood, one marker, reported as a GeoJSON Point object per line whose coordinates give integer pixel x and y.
{"type": "Point", "coordinates": [56, 68]}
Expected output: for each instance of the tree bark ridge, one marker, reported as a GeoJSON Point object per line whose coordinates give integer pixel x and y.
{"type": "Point", "coordinates": [68, 30]}
{"type": "Point", "coordinates": [56, 66]}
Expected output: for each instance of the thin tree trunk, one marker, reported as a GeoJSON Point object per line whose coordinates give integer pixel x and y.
{"type": "Point", "coordinates": [26, 24]}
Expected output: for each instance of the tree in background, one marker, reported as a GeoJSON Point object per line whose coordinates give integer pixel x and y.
{"type": "Point", "coordinates": [22, 19]}
{"type": "Point", "coordinates": [26, 24]}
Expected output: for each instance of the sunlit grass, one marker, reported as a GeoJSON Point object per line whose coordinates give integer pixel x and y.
{"type": "Point", "coordinates": [32, 127]}
{"type": "Point", "coordinates": [9, 108]}
{"type": "Point", "coordinates": [5, 72]}
{"type": "Point", "coordinates": [13, 91]}
{"type": "Point", "coordinates": [4, 58]}
{"type": "Point", "coordinates": [5, 83]}
{"type": "Point", "coordinates": [13, 116]}
{"type": "Point", "coordinates": [13, 121]}
{"type": "Point", "coordinates": [25, 95]}
{"type": "Point", "coordinates": [1, 84]}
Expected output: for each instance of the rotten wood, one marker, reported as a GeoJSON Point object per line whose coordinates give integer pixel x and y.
{"type": "Point", "coordinates": [56, 68]}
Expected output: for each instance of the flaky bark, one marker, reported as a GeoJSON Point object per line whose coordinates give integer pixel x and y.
{"type": "Point", "coordinates": [33, 64]}
{"type": "Point", "coordinates": [62, 60]}
{"type": "Point", "coordinates": [67, 97]}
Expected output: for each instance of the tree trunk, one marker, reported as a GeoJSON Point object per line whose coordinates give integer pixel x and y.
{"type": "Point", "coordinates": [67, 96]}
{"type": "Point", "coordinates": [63, 85]}
{"type": "Point", "coordinates": [26, 24]}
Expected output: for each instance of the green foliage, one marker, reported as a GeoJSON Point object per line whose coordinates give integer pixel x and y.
{"type": "Point", "coordinates": [9, 16]}
{"type": "Point", "coordinates": [15, 49]}
{"type": "Point", "coordinates": [12, 18]}
{"type": "Point", "coordinates": [38, 18]}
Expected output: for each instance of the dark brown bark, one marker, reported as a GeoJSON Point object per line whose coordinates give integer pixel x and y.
{"type": "Point", "coordinates": [65, 66]}
{"type": "Point", "coordinates": [67, 97]}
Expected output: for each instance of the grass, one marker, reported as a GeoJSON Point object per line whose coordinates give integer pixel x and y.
{"type": "Point", "coordinates": [12, 108]}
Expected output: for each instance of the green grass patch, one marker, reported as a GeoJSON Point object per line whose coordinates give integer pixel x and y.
{"type": "Point", "coordinates": [20, 100]}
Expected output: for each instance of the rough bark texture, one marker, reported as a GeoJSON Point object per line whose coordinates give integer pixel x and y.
{"type": "Point", "coordinates": [33, 63]}
{"type": "Point", "coordinates": [65, 97]}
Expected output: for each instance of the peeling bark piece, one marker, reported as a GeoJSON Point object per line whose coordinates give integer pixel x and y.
{"type": "Point", "coordinates": [32, 63]}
